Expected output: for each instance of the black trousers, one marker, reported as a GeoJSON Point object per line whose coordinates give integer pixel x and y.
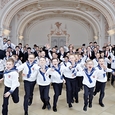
{"type": "Point", "coordinates": [79, 81]}
{"type": "Point", "coordinates": [28, 88]}
{"type": "Point", "coordinates": [113, 78]}
{"type": "Point", "coordinates": [15, 98]}
{"type": "Point", "coordinates": [71, 89]}
{"type": "Point", "coordinates": [108, 73]}
{"type": "Point", "coordinates": [44, 94]}
{"type": "Point", "coordinates": [88, 94]}
{"type": "Point", "coordinates": [1, 74]}
{"type": "Point", "coordinates": [57, 92]}
{"type": "Point", "coordinates": [100, 87]}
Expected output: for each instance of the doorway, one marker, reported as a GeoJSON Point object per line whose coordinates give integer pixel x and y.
{"type": "Point", "coordinates": [58, 41]}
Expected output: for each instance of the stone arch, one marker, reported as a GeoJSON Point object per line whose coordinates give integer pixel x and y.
{"type": "Point", "coordinates": [35, 23]}
{"type": "Point", "coordinates": [15, 7]}
{"type": "Point", "coordinates": [87, 18]}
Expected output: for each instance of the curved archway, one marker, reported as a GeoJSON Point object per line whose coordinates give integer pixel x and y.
{"type": "Point", "coordinates": [30, 28]}
{"type": "Point", "coordinates": [66, 13]}
{"type": "Point", "coordinates": [14, 8]}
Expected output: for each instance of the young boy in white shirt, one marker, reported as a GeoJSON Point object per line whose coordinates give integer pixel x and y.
{"type": "Point", "coordinates": [57, 81]}
{"type": "Point", "coordinates": [11, 83]}
{"type": "Point", "coordinates": [44, 81]}
{"type": "Point", "coordinates": [2, 67]}
{"type": "Point", "coordinates": [89, 81]}
{"type": "Point", "coordinates": [69, 72]}
{"type": "Point", "coordinates": [29, 74]}
{"type": "Point", "coordinates": [101, 80]}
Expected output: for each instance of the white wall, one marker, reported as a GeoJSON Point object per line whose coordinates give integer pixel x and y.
{"type": "Point", "coordinates": [13, 27]}
{"type": "Point", "coordinates": [79, 33]}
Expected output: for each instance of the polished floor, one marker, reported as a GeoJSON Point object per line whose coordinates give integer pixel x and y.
{"type": "Point", "coordinates": [35, 108]}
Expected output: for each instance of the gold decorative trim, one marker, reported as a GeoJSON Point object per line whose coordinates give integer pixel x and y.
{"type": "Point", "coordinates": [58, 31]}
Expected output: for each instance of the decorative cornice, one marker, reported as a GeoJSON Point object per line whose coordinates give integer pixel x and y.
{"type": "Point", "coordinates": [67, 4]}
{"type": "Point", "coordinates": [58, 31]}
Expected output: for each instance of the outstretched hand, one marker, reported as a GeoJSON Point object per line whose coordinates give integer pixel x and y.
{"type": "Point", "coordinates": [6, 94]}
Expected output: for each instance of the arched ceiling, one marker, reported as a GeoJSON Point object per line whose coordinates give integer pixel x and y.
{"type": "Point", "coordinates": [46, 8]}
{"type": "Point", "coordinates": [62, 13]}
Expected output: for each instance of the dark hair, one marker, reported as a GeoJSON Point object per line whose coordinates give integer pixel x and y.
{"type": "Point", "coordinates": [29, 48]}
{"type": "Point", "coordinates": [8, 40]}
{"type": "Point", "coordinates": [9, 47]}
{"type": "Point", "coordinates": [20, 44]}
{"type": "Point", "coordinates": [35, 45]}
{"type": "Point", "coordinates": [4, 38]}
{"type": "Point", "coordinates": [90, 42]}
{"type": "Point", "coordinates": [102, 52]}
{"type": "Point", "coordinates": [17, 47]}
{"type": "Point", "coordinates": [66, 57]}
{"type": "Point", "coordinates": [83, 44]}
{"type": "Point", "coordinates": [95, 42]}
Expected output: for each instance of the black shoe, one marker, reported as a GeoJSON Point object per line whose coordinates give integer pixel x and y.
{"type": "Point", "coordinates": [26, 113]}
{"type": "Point", "coordinates": [85, 108]}
{"type": "Point", "coordinates": [81, 88]}
{"type": "Point", "coordinates": [76, 101]}
{"type": "Point", "coordinates": [90, 105]}
{"type": "Point", "coordinates": [108, 79]}
{"type": "Point", "coordinates": [72, 101]}
{"type": "Point", "coordinates": [101, 104]}
{"type": "Point", "coordinates": [44, 106]}
{"type": "Point", "coordinates": [54, 109]}
{"type": "Point", "coordinates": [49, 106]}
{"type": "Point", "coordinates": [112, 84]}
{"type": "Point", "coordinates": [70, 105]}
{"type": "Point", "coordinates": [94, 93]}
{"type": "Point", "coordinates": [29, 101]}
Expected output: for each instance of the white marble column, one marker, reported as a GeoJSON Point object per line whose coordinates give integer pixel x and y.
{"type": "Point", "coordinates": [109, 39]}
{"type": "Point", "coordinates": [1, 42]}
{"type": "Point", "coordinates": [1, 39]}
{"type": "Point", "coordinates": [1, 32]}
{"type": "Point", "coordinates": [99, 40]}
{"type": "Point", "coordinates": [113, 39]}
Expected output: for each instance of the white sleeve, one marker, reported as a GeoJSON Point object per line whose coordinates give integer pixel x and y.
{"type": "Point", "coordinates": [5, 47]}
{"type": "Point", "coordinates": [107, 60]}
{"type": "Point", "coordinates": [66, 48]}
{"type": "Point", "coordinates": [111, 54]}
{"type": "Point", "coordinates": [21, 67]}
{"type": "Point", "coordinates": [1, 43]}
{"type": "Point", "coordinates": [109, 70]}
{"type": "Point", "coordinates": [13, 46]}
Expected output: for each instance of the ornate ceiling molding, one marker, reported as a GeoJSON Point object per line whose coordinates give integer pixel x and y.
{"type": "Point", "coordinates": [72, 4]}
{"type": "Point", "coordinates": [112, 2]}
{"type": "Point", "coordinates": [3, 3]}
{"type": "Point", "coordinates": [73, 15]}
{"type": "Point", "coordinates": [38, 20]}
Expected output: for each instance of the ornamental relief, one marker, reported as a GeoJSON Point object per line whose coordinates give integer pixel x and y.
{"type": "Point", "coordinates": [112, 2]}
{"type": "Point", "coordinates": [27, 10]}
{"type": "Point", "coordinates": [41, 18]}
{"type": "Point", "coordinates": [35, 7]}
{"type": "Point", "coordinates": [3, 3]}
{"type": "Point", "coordinates": [92, 11]}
